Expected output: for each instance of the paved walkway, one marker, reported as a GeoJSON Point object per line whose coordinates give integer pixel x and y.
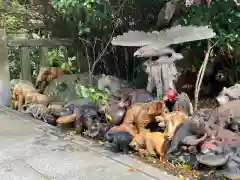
{"type": "Point", "coordinates": [33, 150]}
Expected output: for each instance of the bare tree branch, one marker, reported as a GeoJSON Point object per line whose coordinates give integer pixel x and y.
{"type": "Point", "coordinates": [201, 74]}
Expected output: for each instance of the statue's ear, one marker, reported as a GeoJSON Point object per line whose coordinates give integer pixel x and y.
{"type": "Point", "coordinates": [152, 108]}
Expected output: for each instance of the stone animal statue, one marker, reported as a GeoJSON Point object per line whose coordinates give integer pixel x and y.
{"type": "Point", "coordinates": [35, 110]}
{"type": "Point", "coordinates": [39, 111]}
{"type": "Point", "coordinates": [55, 107]}
{"type": "Point", "coordinates": [225, 136]}
{"type": "Point", "coordinates": [149, 143]}
{"type": "Point", "coordinates": [163, 72]}
{"type": "Point", "coordinates": [99, 130]}
{"type": "Point", "coordinates": [85, 117]}
{"type": "Point", "coordinates": [222, 115]}
{"type": "Point", "coordinates": [118, 141]}
{"type": "Point", "coordinates": [78, 102]}
{"type": "Point", "coordinates": [171, 121]}
{"type": "Point", "coordinates": [46, 75]}
{"type": "Point", "coordinates": [19, 92]}
{"type": "Point", "coordinates": [36, 98]}
{"type": "Point", "coordinates": [116, 111]}
{"type": "Point", "coordinates": [235, 124]}
{"type": "Point", "coordinates": [187, 133]}
{"type": "Point", "coordinates": [228, 94]}
{"type": "Point", "coordinates": [228, 159]}
{"type": "Point", "coordinates": [139, 115]}
{"type": "Point", "coordinates": [183, 104]}
{"type": "Point", "coordinates": [129, 96]}
{"type": "Point", "coordinates": [231, 168]}
{"type": "Point", "coordinates": [170, 98]}
{"type": "Point", "coordinates": [68, 108]}
{"type": "Point", "coordinates": [111, 82]}
{"type": "Point", "coordinates": [178, 102]}
{"type": "Point", "coordinates": [213, 160]}
{"type": "Point", "coordinates": [162, 76]}
{"type": "Point", "coordinates": [15, 82]}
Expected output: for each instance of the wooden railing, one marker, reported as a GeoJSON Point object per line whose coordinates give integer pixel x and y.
{"type": "Point", "coordinates": [43, 44]}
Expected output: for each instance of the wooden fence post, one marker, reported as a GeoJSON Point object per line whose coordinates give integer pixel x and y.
{"type": "Point", "coordinates": [43, 56]}
{"type": "Point", "coordinates": [4, 69]}
{"type": "Point", "coordinates": [25, 64]}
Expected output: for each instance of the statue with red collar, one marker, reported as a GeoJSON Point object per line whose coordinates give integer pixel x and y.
{"type": "Point", "coordinates": [178, 102]}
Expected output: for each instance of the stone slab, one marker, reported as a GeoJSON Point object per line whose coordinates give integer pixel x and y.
{"type": "Point", "coordinates": [18, 170]}
{"type": "Point", "coordinates": [49, 152]}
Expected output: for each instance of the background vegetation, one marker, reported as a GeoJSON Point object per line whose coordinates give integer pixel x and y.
{"type": "Point", "coordinates": [92, 24]}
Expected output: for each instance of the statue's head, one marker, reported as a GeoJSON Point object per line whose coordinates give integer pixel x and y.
{"type": "Point", "coordinates": [170, 95]}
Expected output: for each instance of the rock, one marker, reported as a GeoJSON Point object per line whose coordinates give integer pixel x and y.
{"type": "Point", "coordinates": [228, 94]}
{"type": "Point", "coordinates": [213, 160]}
{"type": "Point", "coordinates": [62, 89]}
{"type": "Point", "coordinates": [111, 82]}
{"type": "Point", "coordinates": [78, 102]}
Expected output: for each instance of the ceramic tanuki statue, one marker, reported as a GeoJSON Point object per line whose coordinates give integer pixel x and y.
{"type": "Point", "coordinates": [46, 75]}
{"type": "Point", "coordinates": [139, 115]}
{"type": "Point", "coordinates": [149, 143]}
{"type": "Point", "coordinates": [19, 94]}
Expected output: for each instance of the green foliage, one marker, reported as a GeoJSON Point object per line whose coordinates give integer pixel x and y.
{"type": "Point", "coordinates": [56, 59]}
{"type": "Point", "coordinates": [13, 21]}
{"type": "Point", "coordinates": [97, 96]}
{"type": "Point", "coordinates": [88, 15]}
{"type": "Point", "coordinates": [223, 17]}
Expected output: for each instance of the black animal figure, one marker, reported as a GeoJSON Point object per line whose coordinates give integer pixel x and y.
{"type": "Point", "coordinates": [118, 141]}
{"type": "Point", "coordinates": [87, 117]}
{"type": "Point", "coordinates": [99, 130]}
{"type": "Point", "coordinates": [50, 119]}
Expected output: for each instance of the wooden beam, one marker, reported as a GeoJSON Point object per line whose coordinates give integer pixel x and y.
{"type": "Point", "coordinates": [25, 64]}
{"type": "Point", "coordinates": [65, 52]}
{"type": "Point", "coordinates": [39, 42]}
{"type": "Point", "coordinates": [43, 56]}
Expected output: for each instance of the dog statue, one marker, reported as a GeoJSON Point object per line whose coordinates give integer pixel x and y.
{"type": "Point", "coordinates": [139, 115]}
{"type": "Point", "coordinates": [149, 143]}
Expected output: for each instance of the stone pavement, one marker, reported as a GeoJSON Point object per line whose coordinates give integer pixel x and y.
{"type": "Point", "coordinates": [33, 150]}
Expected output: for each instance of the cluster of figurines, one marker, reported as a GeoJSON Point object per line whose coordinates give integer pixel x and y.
{"type": "Point", "coordinates": [167, 127]}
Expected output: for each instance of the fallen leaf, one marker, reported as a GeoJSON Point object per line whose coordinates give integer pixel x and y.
{"type": "Point", "coordinates": [100, 142]}
{"type": "Point", "coordinates": [186, 167]}
{"type": "Point", "coordinates": [132, 170]}
{"type": "Point", "coordinates": [108, 117]}
{"type": "Point", "coordinates": [181, 176]}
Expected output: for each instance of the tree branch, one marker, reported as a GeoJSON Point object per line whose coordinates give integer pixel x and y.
{"type": "Point", "coordinates": [201, 74]}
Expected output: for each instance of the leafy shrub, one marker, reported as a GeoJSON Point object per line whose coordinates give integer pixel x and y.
{"type": "Point", "coordinates": [97, 96]}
